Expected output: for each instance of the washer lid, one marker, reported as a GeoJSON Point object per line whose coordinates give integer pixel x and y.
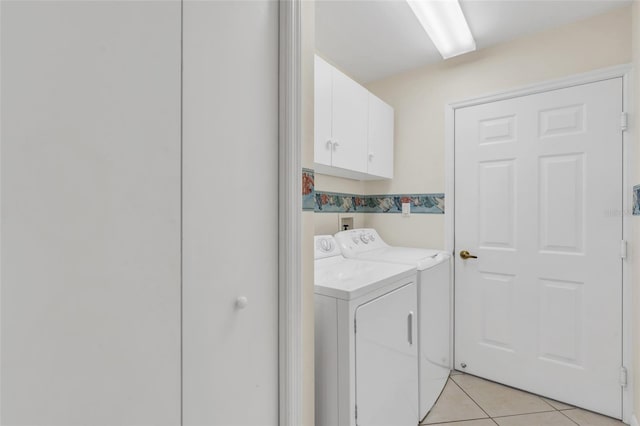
{"type": "Point", "coordinates": [349, 279]}
{"type": "Point", "coordinates": [420, 258]}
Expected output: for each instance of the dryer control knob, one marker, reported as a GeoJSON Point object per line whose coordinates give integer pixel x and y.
{"type": "Point", "coordinates": [241, 302]}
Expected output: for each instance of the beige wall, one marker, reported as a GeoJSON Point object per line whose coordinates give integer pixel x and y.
{"type": "Point", "coordinates": [329, 223]}
{"type": "Point", "coordinates": [419, 99]}
{"type": "Point", "coordinates": [634, 253]}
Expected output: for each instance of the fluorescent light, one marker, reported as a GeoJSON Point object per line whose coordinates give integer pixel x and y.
{"type": "Point", "coordinates": [444, 22]}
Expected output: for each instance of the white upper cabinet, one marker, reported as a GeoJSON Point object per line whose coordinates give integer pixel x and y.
{"type": "Point", "coordinates": [353, 129]}
{"type": "Point", "coordinates": [349, 116]}
{"type": "Point", "coordinates": [323, 145]}
{"type": "Point", "coordinates": [380, 154]}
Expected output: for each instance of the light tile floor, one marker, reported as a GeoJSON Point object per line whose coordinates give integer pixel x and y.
{"type": "Point", "coordinates": [470, 401]}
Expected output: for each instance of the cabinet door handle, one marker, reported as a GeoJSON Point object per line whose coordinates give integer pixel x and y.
{"type": "Point", "coordinates": [371, 155]}
{"type": "Point", "coordinates": [335, 145]}
{"type": "Point", "coordinates": [329, 144]}
{"type": "Point", "coordinates": [410, 327]}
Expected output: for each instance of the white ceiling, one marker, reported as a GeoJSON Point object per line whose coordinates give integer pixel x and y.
{"type": "Point", "coordinates": [373, 39]}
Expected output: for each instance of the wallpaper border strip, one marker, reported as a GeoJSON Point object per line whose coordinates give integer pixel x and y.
{"type": "Point", "coordinates": [308, 190]}
{"type": "Point", "coordinates": [336, 202]}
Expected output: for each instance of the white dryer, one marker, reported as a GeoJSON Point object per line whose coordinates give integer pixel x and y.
{"type": "Point", "coordinates": [366, 350]}
{"type": "Point", "coordinates": [434, 303]}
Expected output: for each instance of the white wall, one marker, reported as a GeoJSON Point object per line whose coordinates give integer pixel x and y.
{"type": "Point", "coordinates": [419, 99]}
{"type": "Point", "coordinates": [90, 206]}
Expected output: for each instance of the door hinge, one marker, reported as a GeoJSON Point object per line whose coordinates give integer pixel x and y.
{"type": "Point", "coordinates": [623, 377]}
{"type": "Point", "coordinates": [624, 121]}
{"type": "Point", "coordinates": [623, 249]}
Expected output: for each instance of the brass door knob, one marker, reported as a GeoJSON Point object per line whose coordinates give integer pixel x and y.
{"type": "Point", "coordinates": [464, 254]}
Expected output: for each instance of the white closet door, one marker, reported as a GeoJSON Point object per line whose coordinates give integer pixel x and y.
{"type": "Point", "coordinates": [230, 213]}
{"type": "Point", "coordinates": [90, 200]}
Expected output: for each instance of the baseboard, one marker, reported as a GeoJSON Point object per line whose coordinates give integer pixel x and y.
{"type": "Point", "coordinates": [634, 421]}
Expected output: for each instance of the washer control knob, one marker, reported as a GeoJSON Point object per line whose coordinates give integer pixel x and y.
{"type": "Point", "coordinates": [371, 237]}
{"type": "Point", "coordinates": [326, 245]}
{"type": "Point", "coordinates": [355, 239]}
{"type": "Point", "coordinates": [241, 302]}
{"type": "Point", "coordinates": [364, 238]}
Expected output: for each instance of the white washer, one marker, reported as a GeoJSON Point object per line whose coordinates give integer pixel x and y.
{"type": "Point", "coordinates": [366, 348]}
{"type": "Point", "coordinates": [434, 303]}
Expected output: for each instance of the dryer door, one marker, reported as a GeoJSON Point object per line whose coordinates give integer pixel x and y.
{"type": "Point", "coordinates": [387, 359]}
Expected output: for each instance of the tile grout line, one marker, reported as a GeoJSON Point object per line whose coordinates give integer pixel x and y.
{"type": "Point", "coordinates": [453, 422]}
{"type": "Point", "coordinates": [524, 414]}
{"type": "Point", "coordinates": [553, 409]}
{"type": "Point", "coordinates": [420, 423]}
{"type": "Point", "coordinates": [474, 401]}
{"type": "Point", "coordinates": [570, 419]}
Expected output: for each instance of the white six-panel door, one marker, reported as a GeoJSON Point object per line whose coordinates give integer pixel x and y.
{"type": "Point", "coordinates": [537, 178]}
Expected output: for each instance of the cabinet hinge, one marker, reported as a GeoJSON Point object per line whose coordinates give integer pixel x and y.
{"type": "Point", "coordinates": [623, 249]}
{"type": "Point", "coordinates": [623, 377]}
{"type": "Point", "coordinates": [624, 121]}
{"type": "Point", "coordinates": [356, 412]}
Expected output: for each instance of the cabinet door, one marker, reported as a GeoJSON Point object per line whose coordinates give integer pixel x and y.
{"type": "Point", "coordinates": [380, 155]}
{"type": "Point", "coordinates": [350, 114]}
{"type": "Point", "coordinates": [322, 112]}
{"type": "Point", "coordinates": [387, 359]}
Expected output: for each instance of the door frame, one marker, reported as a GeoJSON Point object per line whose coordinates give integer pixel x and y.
{"type": "Point", "coordinates": [290, 217]}
{"type": "Point", "coordinates": [620, 71]}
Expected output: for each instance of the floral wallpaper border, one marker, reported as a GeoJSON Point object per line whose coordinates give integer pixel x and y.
{"type": "Point", "coordinates": [308, 190]}
{"type": "Point", "coordinates": [335, 202]}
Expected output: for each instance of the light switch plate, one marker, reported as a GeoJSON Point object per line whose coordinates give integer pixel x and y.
{"type": "Point", "coordinates": [406, 209]}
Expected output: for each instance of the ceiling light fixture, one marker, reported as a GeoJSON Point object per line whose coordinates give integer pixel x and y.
{"type": "Point", "coordinates": [444, 21]}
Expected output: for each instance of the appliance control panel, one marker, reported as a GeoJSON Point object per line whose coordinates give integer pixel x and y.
{"type": "Point", "coordinates": [356, 241]}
